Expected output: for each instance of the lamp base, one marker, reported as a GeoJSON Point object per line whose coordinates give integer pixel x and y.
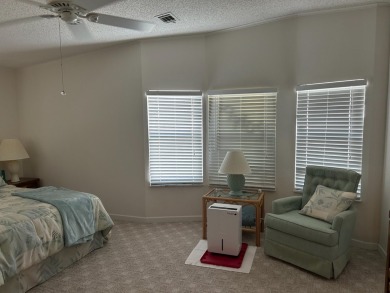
{"type": "Point", "coordinates": [236, 183]}
{"type": "Point", "coordinates": [13, 168]}
{"type": "Point", "coordinates": [236, 193]}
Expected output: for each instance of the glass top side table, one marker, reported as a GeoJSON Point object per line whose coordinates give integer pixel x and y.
{"type": "Point", "coordinates": [249, 197]}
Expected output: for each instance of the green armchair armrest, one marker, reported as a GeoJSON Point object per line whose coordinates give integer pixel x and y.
{"type": "Point", "coordinates": [286, 204]}
{"type": "Point", "coordinates": [344, 223]}
{"type": "Point", "coordinates": [342, 219]}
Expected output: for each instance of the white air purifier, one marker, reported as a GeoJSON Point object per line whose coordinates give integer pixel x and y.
{"type": "Point", "coordinates": [224, 234]}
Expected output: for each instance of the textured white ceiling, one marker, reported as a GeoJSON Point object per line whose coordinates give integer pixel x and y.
{"type": "Point", "coordinates": [31, 41]}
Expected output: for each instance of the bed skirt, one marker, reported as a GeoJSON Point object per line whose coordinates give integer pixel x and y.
{"type": "Point", "coordinates": [52, 265]}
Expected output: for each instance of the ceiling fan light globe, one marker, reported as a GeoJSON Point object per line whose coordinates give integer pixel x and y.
{"type": "Point", "coordinates": [69, 17]}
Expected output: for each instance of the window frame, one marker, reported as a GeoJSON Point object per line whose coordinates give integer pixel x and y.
{"type": "Point", "coordinates": [217, 150]}
{"type": "Point", "coordinates": [197, 172]}
{"type": "Point", "coordinates": [353, 124]}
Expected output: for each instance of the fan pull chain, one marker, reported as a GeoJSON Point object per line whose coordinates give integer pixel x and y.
{"type": "Point", "coordinates": [62, 70]}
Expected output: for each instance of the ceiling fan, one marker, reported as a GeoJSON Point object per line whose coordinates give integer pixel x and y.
{"type": "Point", "coordinates": [74, 13]}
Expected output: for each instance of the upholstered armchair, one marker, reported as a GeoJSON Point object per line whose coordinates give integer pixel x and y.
{"type": "Point", "coordinates": [321, 246]}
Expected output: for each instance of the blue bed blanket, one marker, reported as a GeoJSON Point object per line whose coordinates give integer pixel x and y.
{"type": "Point", "coordinates": [76, 210]}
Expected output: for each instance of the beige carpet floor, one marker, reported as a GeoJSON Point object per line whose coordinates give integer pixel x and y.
{"type": "Point", "coordinates": [150, 258]}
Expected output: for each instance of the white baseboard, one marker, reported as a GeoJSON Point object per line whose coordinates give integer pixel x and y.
{"type": "Point", "coordinates": [365, 245]}
{"type": "Point", "coordinates": [155, 219]}
{"type": "Point", "coordinates": [135, 219]}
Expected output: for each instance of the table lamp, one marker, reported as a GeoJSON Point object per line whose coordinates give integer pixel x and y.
{"type": "Point", "coordinates": [235, 166]}
{"type": "Point", "coordinates": [12, 150]}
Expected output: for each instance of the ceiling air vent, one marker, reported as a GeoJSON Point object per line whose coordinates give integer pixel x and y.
{"type": "Point", "coordinates": [167, 17]}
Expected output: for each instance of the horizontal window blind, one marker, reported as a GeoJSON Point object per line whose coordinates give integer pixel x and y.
{"type": "Point", "coordinates": [175, 133]}
{"type": "Point", "coordinates": [329, 126]}
{"type": "Point", "coordinates": [243, 120]}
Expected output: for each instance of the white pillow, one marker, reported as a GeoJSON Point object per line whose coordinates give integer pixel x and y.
{"type": "Point", "coordinates": [326, 203]}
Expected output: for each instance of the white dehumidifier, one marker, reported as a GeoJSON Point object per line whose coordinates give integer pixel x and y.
{"type": "Point", "coordinates": [224, 228]}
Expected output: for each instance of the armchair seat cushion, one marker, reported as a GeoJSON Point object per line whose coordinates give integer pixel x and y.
{"type": "Point", "coordinates": [302, 226]}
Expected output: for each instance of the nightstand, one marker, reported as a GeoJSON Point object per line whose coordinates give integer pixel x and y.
{"type": "Point", "coordinates": [26, 182]}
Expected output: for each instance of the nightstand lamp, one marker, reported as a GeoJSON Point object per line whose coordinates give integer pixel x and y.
{"type": "Point", "coordinates": [12, 150]}
{"type": "Point", "coordinates": [235, 166]}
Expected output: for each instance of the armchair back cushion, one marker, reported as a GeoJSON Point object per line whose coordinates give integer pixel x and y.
{"type": "Point", "coordinates": [335, 178]}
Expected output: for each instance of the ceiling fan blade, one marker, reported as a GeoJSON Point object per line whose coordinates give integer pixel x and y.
{"type": "Point", "coordinates": [91, 5]}
{"type": "Point", "coordinates": [31, 2]}
{"type": "Point", "coordinates": [80, 31]}
{"type": "Point", "coordinates": [25, 20]}
{"type": "Point", "coordinates": [138, 25]}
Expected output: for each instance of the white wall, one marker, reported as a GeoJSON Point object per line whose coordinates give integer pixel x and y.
{"type": "Point", "coordinates": [173, 64]}
{"type": "Point", "coordinates": [9, 124]}
{"type": "Point", "coordinates": [308, 49]}
{"type": "Point", "coordinates": [95, 138]}
{"type": "Point", "coordinates": [385, 205]}
{"type": "Point", "coordinates": [92, 138]}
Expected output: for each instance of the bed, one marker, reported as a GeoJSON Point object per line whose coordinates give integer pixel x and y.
{"type": "Point", "coordinates": [39, 239]}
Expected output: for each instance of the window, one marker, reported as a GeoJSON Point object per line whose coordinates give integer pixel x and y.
{"type": "Point", "coordinates": [175, 134]}
{"type": "Point", "coordinates": [245, 120]}
{"type": "Point", "coordinates": [329, 126]}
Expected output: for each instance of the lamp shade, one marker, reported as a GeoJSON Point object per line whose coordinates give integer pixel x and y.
{"type": "Point", "coordinates": [12, 149]}
{"type": "Point", "coordinates": [234, 163]}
